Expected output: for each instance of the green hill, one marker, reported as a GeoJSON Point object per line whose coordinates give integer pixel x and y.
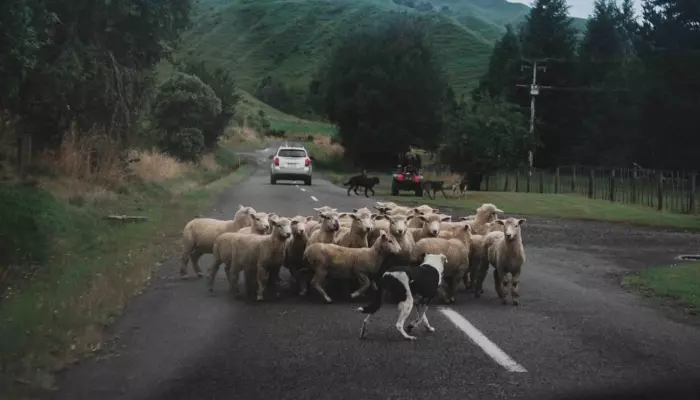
{"type": "Point", "coordinates": [288, 39]}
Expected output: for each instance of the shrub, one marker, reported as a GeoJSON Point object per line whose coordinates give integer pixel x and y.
{"type": "Point", "coordinates": [186, 144]}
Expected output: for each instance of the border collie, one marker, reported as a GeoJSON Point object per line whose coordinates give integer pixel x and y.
{"type": "Point", "coordinates": [408, 285]}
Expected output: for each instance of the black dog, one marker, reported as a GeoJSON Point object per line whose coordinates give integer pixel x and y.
{"type": "Point", "coordinates": [408, 285]}
{"type": "Point", "coordinates": [358, 181]}
{"type": "Point", "coordinates": [433, 186]}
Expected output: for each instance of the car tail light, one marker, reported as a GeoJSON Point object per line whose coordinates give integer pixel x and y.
{"type": "Point", "coordinates": [399, 177]}
{"type": "Point", "coordinates": [416, 178]}
{"type": "Point", "coordinates": [307, 162]}
{"type": "Point", "coordinates": [276, 161]}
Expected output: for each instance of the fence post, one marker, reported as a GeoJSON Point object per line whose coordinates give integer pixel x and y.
{"type": "Point", "coordinates": [541, 182]}
{"type": "Point", "coordinates": [517, 181]}
{"type": "Point", "coordinates": [556, 181]}
{"type": "Point", "coordinates": [505, 183]}
{"type": "Point", "coordinates": [573, 179]}
{"type": "Point", "coordinates": [660, 191]}
{"type": "Point", "coordinates": [529, 178]}
{"type": "Point", "coordinates": [633, 185]}
{"type": "Point", "coordinates": [691, 203]}
{"type": "Point", "coordinates": [611, 195]}
{"type": "Point", "coordinates": [591, 178]}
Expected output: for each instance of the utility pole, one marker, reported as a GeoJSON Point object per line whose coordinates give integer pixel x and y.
{"type": "Point", "coordinates": [534, 92]}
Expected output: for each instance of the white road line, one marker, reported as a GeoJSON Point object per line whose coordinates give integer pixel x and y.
{"type": "Point", "coordinates": [302, 189]}
{"type": "Point", "coordinates": [314, 198]}
{"type": "Point", "coordinates": [482, 341]}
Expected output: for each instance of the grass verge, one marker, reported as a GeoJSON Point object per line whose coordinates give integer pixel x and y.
{"type": "Point", "coordinates": [70, 270]}
{"type": "Point", "coordinates": [548, 205]}
{"type": "Point", "coordinates": [678, 285]}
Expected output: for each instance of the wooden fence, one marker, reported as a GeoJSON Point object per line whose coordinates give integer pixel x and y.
{"type": "Point", "coordinates": [670, 191]}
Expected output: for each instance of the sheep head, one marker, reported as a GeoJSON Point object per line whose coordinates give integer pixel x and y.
{"type": "Point", "coordinates": [261, 221]}
{"type": "Point", "coordinates": [431, 222]}
{"type": "Point", "coordinates": [386, 243]}
{"type": "Point", "coordinates": [299, 225]}
{"type": "Point", "coordinates": [362, 220]}
{"type": "Point", "coordinates": [511, 227]}
{"type": "Point", "coordinates": [282, 228]}
{"type": "Point", "coordinates": [488, 212]}
{"type": "Point", "coordinates": [245, 210]}
{"type": "Point", "coordinates": [397, 225]}
{"type": "Point", "coordinates": [330, 220]}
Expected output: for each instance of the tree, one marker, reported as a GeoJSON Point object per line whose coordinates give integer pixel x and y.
{"type": "Point", "coordinates": [272, 91]}
{"type": "Point", "coordinates": [183, 106]}
{"type": "Point", "coordinates": [485, 136]}
{"type": "Point", "coordinates": [384, 90]}
{"type": "Point", "coordinates": [671, 59]}
{"type": "Point", "coordinates": [548, 33]}
{"type": "Point", "coordinates": [224, 86]}
{"type": "Point", "coordinates": [504, 69]}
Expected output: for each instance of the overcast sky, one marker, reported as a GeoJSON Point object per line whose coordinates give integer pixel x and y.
{"type": "Point", "coordinates": [580, 8]}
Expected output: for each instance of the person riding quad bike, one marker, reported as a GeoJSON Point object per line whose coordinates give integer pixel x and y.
{"type": "Point", "coordinates": [412, 163]}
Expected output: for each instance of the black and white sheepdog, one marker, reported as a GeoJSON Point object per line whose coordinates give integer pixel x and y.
{"type": "Point", "coordinates": [408, 285]}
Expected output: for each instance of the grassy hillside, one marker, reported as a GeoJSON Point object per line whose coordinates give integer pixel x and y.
{"type": "Point", "coordinates": [288, 39]}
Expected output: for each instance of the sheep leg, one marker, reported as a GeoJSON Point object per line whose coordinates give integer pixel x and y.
{"type": "Point", "coordinates": [212, 273]}
{"type": "Point", "coordinates": [262, 282]}
{"type": "Point", "coordinates": [184, 258]}
{"type": "Point", "coordinates": [364, 285]}
{"type": "Point", "coordinates": [405, 308]}
{"type": "Point", "coordinates": [233, 273]}
{"type": "Point", "coordinates": [442, 293]}
{"type": "Point", "coordinates": [481, 273]}
{"type": "Point", "coordinates": [319, 276]}
{"type": "Point", "coordinates": [194, 258]}
{"type": "Point", "coordinates": [273, 278]}
{"type": "Point", "coordinates": [514, 293]}
{"type": "Point", "coordinates": [500, 281]}
{"type": "Point", "coordinates": [452, 286]}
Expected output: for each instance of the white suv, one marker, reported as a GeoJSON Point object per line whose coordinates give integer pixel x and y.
{"type": "Point", "coordinates": [291, 163]}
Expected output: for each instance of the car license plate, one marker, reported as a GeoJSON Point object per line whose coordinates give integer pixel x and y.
{"type": "Point", "coordinates": [291, 165]}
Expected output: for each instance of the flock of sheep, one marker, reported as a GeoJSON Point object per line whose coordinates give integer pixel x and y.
{"type": "Point", "coordinates": [356, 247]}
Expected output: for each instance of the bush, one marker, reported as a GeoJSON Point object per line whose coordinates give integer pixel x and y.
{"type": "Point", "coordinates": [278, 133]}
{"type": "Point", "coordinates": [184, 108]}
{"type": "Point", "coordinates": [186, 144]}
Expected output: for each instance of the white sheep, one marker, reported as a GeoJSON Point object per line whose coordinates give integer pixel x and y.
{"type": "Point", "coordinates": [504, 250]}
{"type": "Point", "coordinates": [254, 254]}
{"type": "Point", "coordinates": [486, 213]}
{"type": "Point", "coordinates": [431, 226]}
{"type": "Point", "coordinates": [312, 225]}
{"type": "Point", "coordinates": [294, 250]}
{"type": "Point", "coordinates": [327, 228]}
{"type": "Point", "coordinates": [261, 224]}
{"type": "Point", "coordinates": [199, 234]}
{"type": "Point", "coordinates": [456, 249]}
{"type": "Point", "coordinates": [356, 235]}
{"type": "Point", "coordinates": [396, 225]}
{"type": "Point", "coordinates": [332, 260]}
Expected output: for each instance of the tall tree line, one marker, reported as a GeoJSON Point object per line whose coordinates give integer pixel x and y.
{"type": "Point", "coordinates": [626, 92]}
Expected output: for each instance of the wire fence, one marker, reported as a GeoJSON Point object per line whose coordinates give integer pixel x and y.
{"type": "Point", "coordinates": [672, 191]}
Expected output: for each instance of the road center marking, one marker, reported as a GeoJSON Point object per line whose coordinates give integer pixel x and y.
{"type": "Point", "coordinates": [482, 341]}
{"type": "Point", "coordinates": [302, 189]}
{"type": "Point", "coordinates": [314, 198]}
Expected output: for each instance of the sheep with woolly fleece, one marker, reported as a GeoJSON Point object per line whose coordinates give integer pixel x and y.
{"type": "Point", "coordinates": [256, 255]}
{"type": "Point", "coordinates": [504, 250]}
{"type": "Point", "coordinates": [356, 235]}
{"type": "Point", "coordinates": [486, 213]}
{"type": "Point", "coordinates": [199, 235]}
{"type": "Point", "coordinates": [331, 260]}
{"type": "Point", "coordinates": [294, 250]}
{"type": "Point", "coordinates": [328, 227]}
{"type": "Point", "coordinates": [476, 247]}
{"type": "Point", "coordinates": [456, 249]}
{"type": "Point", "coordinates": [431, 226]}
{"type": "Point", "coordinates": [261, 224]}
{"type": "Point", "coordinates": [397, 226]}
{"type": "Point", "coordinates": [312, 225]}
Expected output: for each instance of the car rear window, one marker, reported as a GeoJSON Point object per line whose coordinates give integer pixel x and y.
{"type": "Point", "coordinates": [295, 153]}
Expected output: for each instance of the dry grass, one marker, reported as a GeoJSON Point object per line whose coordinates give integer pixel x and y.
{"type": "Point", "coordinates": [157, 167]}
{"type": "Point", "coordinates": [241, 137]}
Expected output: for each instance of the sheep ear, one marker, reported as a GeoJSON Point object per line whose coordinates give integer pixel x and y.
{"type": "Point", "coordinates": [417, 211]}
{"type": "Point", "coordinates": [272, 216]}
{"type": "Point", "coordinates": [381, 217]}
{"type": "Point", "coordinates": [354, 210]}
{"type": "Point", "coordinates": [498, 210]}
{"type": "Point", "coordinates": [294, 222]}
{"type": "Point", "coordinates": [463, 218]}
{"type": "Point", "coordinates": [423, 218]}
{"type": "Point", "coordinates": [446, 218]}
{"type": "Point", "coordinates": [309, 218]}
{"type": "Point", "coordinates": [499, 222]}
{"type": "Point", "coordinates": [374, 215]}
{"type": "Point", "coordinates": [341, 215]}
{"type": "Point", "coordinates": [378, 208]}
{"type": "Point", "coordinates": [273, 222]}
{"type": "Point", "coordinates": [354, 216]}
{"type": "Point", "coordinates": [435, 210]}
{"type": "Point", "coordinates": [521, 221]}
{"type": "Point", "coordinates": [317, 209]}
{"type": "Point", "coordinates": [240, 207]}
{"type": "Point", "coordinates": [468, 228]}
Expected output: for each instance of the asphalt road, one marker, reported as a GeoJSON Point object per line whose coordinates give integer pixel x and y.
{"type": "Point", "coordinates": [575, 330]}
